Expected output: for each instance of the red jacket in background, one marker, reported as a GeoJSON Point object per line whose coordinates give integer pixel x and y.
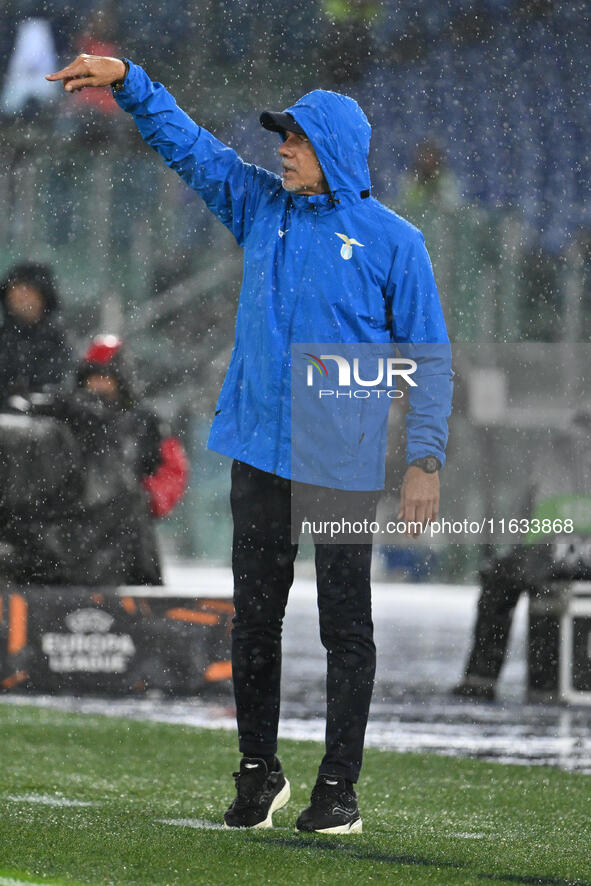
{"type": "Point", "coordinates": [167, 484]}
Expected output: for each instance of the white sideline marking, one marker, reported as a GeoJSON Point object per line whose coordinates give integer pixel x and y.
{"type": "Point", "coordinates": [8, 881]}
{"type": "Point", "coordinates": [47, 800]}
{"type": "Point", "coordinates": [201, 824]}
{"type": "Point", "coordinates": [191, 823]}
{"type": "Point", "coordinates": [471, 836]}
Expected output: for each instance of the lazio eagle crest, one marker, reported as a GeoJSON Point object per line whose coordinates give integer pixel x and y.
{"type": "Point", "coordinates": [348, 244]}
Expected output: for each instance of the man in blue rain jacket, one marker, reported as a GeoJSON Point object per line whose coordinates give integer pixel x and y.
{"type": "Point", "coordinates": [323, 262]}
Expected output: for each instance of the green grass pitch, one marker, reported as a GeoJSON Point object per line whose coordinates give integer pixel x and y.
{"type": "Point", "coordinates": [103, 800]}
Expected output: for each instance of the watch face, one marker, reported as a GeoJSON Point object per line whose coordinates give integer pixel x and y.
{"type": "Point", "coordinates": [430, 464]}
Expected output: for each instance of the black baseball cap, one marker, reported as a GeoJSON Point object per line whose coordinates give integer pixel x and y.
{"type": "Point", "coordinates": [280, 121]}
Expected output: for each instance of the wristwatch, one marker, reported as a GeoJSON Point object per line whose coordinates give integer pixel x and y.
{"type": "Point", "coordinates": [118, 84]}
{"type": "Point", "coordinates": [430, 464]}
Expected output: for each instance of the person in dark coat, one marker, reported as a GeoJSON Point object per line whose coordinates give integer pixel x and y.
{"type": "Point", "coordinates": [34, 352]}
{"type": "Point", "coordinates": [560, 488]}
{"type": "Point", "coordinates": [135, 469]}
{"type": "Point", "coordinates": [120, 443]}
{"type": "Point", "coordinates": [127, 470]}
{"type": "Point", "coordinates": [503, 578]}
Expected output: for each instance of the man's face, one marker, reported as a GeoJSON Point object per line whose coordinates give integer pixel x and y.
{"type": "Point", "coordinates": [301, 171]}
{"type": "Point", "coordinates": [25, 302]}
{"type": "Point", "coordinates": [102, 386]}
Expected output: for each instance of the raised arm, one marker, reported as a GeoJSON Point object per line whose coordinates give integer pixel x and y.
{"type": "Point", "coordinates": [230, 187]}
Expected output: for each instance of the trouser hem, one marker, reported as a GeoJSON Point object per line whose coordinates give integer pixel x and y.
{"type": "Point", "coordinates": [339, 772]}
{"type": "Point", "coordinates": [261, 750]}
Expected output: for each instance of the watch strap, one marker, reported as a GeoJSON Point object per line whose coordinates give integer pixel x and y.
{"type": "Point", "coordinates": [118, 85]}
{"type": "Point", "coordinates": [430, 464]}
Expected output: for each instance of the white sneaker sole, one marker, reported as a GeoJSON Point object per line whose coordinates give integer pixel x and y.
{"type": "Point", "coordinates": [279, 802]}
{"type": "Point", "coordinates": [355, 827]}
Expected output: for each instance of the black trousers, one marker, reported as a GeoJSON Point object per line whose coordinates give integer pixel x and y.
{"type": "Point", "coordinates": [502, 581]}
{"type": "Point", "coordinates": [263, 558]}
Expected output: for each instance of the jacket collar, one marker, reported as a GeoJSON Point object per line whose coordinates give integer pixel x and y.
{"type": "Point", "coordinates": [323, 203]}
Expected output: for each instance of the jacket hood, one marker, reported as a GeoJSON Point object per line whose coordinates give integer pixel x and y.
{"type": "Point", "coordinates": [35, 275]}
{"type": "Point", "coordinates": [105, 356]}
{"type": "Point", "coordinates": [340, 135]}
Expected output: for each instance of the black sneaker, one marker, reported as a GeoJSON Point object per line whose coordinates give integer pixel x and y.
{"type": "Point", "coordinates": [260, 793]}
{"type": "Point", "coordinates": [333, 808]}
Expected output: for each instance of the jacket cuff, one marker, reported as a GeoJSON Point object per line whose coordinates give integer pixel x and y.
{"type": "Point", "coordinates": [117, 86]}
{"type": "Point", "coordinates": [124, 96]}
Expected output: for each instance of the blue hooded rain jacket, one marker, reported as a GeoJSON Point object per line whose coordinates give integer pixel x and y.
{"type": "Point", "coordinates": [329, 268]}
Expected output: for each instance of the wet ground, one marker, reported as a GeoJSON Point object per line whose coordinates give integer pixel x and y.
{"type": "Point", "coordinates": [422, 635]}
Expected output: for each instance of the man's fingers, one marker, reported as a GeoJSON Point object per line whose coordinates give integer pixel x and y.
{"type": "Point", "coordinates": [80, 67]}
{"type": "Point", "coordinates": [79, 83]}
{"type": "Point", "coordinates": [404, 508]}
{"type": "Point", "coordinates": [409, 516]}
{"type": "Point", "coordinates": [407, 511]}
{"type": "Point", "coordinates": [419, 500]}
{"type": "Point", "coordinates": [416, 523]}
{"type": "Point", "coordinates": [434, 510]}
{"type": "Point", "coordinates": [59, 75]}
{"type": "Point", "coordinates": [75, 69]}
{"type": "Point", "coordinates": [418, 513]}
{"type": "Point", "coordinates": [89, 70]}
{"type": "Point", "coordinates": [405, 502]}
{"type": "Point", "coordinates": [421, 514]}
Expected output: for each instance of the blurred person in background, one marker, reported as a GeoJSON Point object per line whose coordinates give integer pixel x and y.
{"type": "Point", "coordinates": [457, 235]}
{"type": "Point", "coordinates": [429, 186]}
{"type": "Point", "coordinates": [94, 40]}
{"type": "Point", "coordinates": [541, 303]}
{"type": "Point", "coordinates": [134, 468]}
{"type": "Point", "coordinates": [124, 469]}
{"type": "Point", "coordinates": [34, 351]}
{"type": "Point", "coordinates": [504, 576]}
{"type": "Point", "coordinates": [303, 278]}
{"type": "Point", "coordinates": [560, 489]}
{"type": "Point", "coordinates": [349, 37]}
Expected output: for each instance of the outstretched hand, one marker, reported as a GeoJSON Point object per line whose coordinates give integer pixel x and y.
{"type": "Point", "coordinates": [90, 70]}
{"type": "Point", "coordinates": [419, 499]}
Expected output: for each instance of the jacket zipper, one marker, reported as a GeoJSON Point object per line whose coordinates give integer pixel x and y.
{"type": "Point", "coordinates": [289, 333]}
